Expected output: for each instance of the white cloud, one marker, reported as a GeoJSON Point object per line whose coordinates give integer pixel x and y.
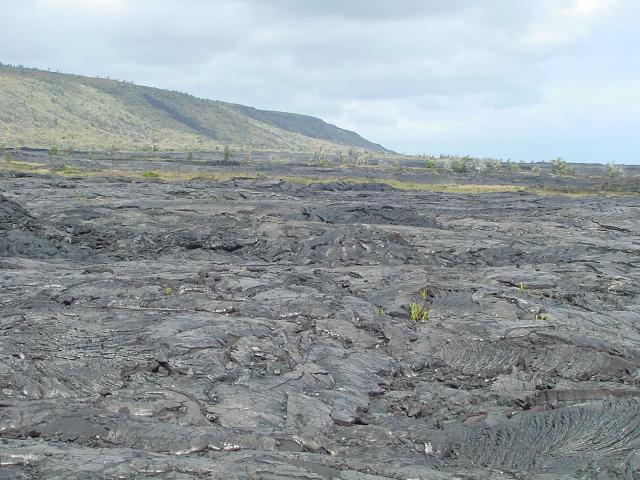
{"type": "Point", "coordinates": [96, 6]}
{"type": "Point", "coordinates": [564, 22]}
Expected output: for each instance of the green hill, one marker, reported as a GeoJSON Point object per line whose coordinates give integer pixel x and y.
{"type": "Point", "coordinates": [43, 109]}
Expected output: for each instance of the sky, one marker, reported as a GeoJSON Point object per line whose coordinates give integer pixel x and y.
{"type": "Point", "coordinates": [525, 80]}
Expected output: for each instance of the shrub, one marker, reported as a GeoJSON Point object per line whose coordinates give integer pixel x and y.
{"type": "Point", "coordinates": [560, 167]}
{"type": "Point", "coordinates": [149, 174]}
{"type": "Point", "coordinates": [53, 151]}
{"type": "Point", "coordinates": [228, 154]}
{"type": "Point", "coordinates": [431, 164]}
{"type": "Point", "coordinates": [354, 156]}
{"type": "Point", "coordinates": [462, 165]}
{"type": "Point", "coordinates": [318, 156]}
{"type": "Point", "coordinates": [512, 166]}
{"type": "Point", "coordinates": [613, 170]}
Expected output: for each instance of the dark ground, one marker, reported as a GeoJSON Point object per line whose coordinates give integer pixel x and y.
{"type": "Point", "coordinates": [257, 329]}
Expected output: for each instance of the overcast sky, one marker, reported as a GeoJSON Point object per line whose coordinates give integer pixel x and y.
{"type": "Point", "coordinates": [519, 79]}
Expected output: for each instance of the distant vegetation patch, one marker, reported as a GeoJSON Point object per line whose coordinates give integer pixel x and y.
{"type": "Point", "coordinates": [405, 185]}
{"type": "Point", "coordinates": [467, 165]}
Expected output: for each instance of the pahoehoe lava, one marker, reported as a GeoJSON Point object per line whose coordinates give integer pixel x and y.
{"type": "Point", "coordinates": [260, 329]}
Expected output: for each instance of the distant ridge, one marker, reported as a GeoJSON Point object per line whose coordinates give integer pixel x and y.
{"type": "Point", "coordinates": [42, 109]}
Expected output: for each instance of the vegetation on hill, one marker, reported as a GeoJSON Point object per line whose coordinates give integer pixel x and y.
{"type": "Point", "coordinates": [44, 110]}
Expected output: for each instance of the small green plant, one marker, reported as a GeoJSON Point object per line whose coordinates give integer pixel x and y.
{"type": "Point", "coordinates": [542, 316]}
{"type": "Point", "coordinates": [149, 174]}
{"type": "Point", "coordinates": [522, 286]}
{"type": "Point", "coordinates": [560, 167]}
{"type": "Point", "coordinates": [379, 311]}
{"type": "Point", "coordinates": [53, 151]}
{"type": "Point", "coordinates": [418, 313]}
{"type": "Point", "coordinates": [168, 291]}
{"type": "Point", "coordinates": [424, 293]}
{"type": "Point", "coordinates": [228, 154]}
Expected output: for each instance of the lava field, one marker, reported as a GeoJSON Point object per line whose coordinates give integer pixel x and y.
{"type": "Point", "coordinates": [258, 328]}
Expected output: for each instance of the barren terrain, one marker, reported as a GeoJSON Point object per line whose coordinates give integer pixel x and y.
{"type": "Point", "coordinates": [234, 327]}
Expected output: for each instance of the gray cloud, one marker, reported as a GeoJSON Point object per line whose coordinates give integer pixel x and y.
{"type": "Point", "coordinates": [425, 75]}
{"type": "Point", "coordinates": [366, 10]}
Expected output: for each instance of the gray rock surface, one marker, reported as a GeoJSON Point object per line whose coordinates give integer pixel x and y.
{"type": "Point", "coordinates": [252, 329]}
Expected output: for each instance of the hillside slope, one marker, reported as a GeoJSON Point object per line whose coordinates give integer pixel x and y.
{"type": "Point", "coordinates": [45, 109]}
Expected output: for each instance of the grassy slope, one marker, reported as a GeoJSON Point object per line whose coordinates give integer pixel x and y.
{"type": "Point", "coordinates": [43, 109]}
